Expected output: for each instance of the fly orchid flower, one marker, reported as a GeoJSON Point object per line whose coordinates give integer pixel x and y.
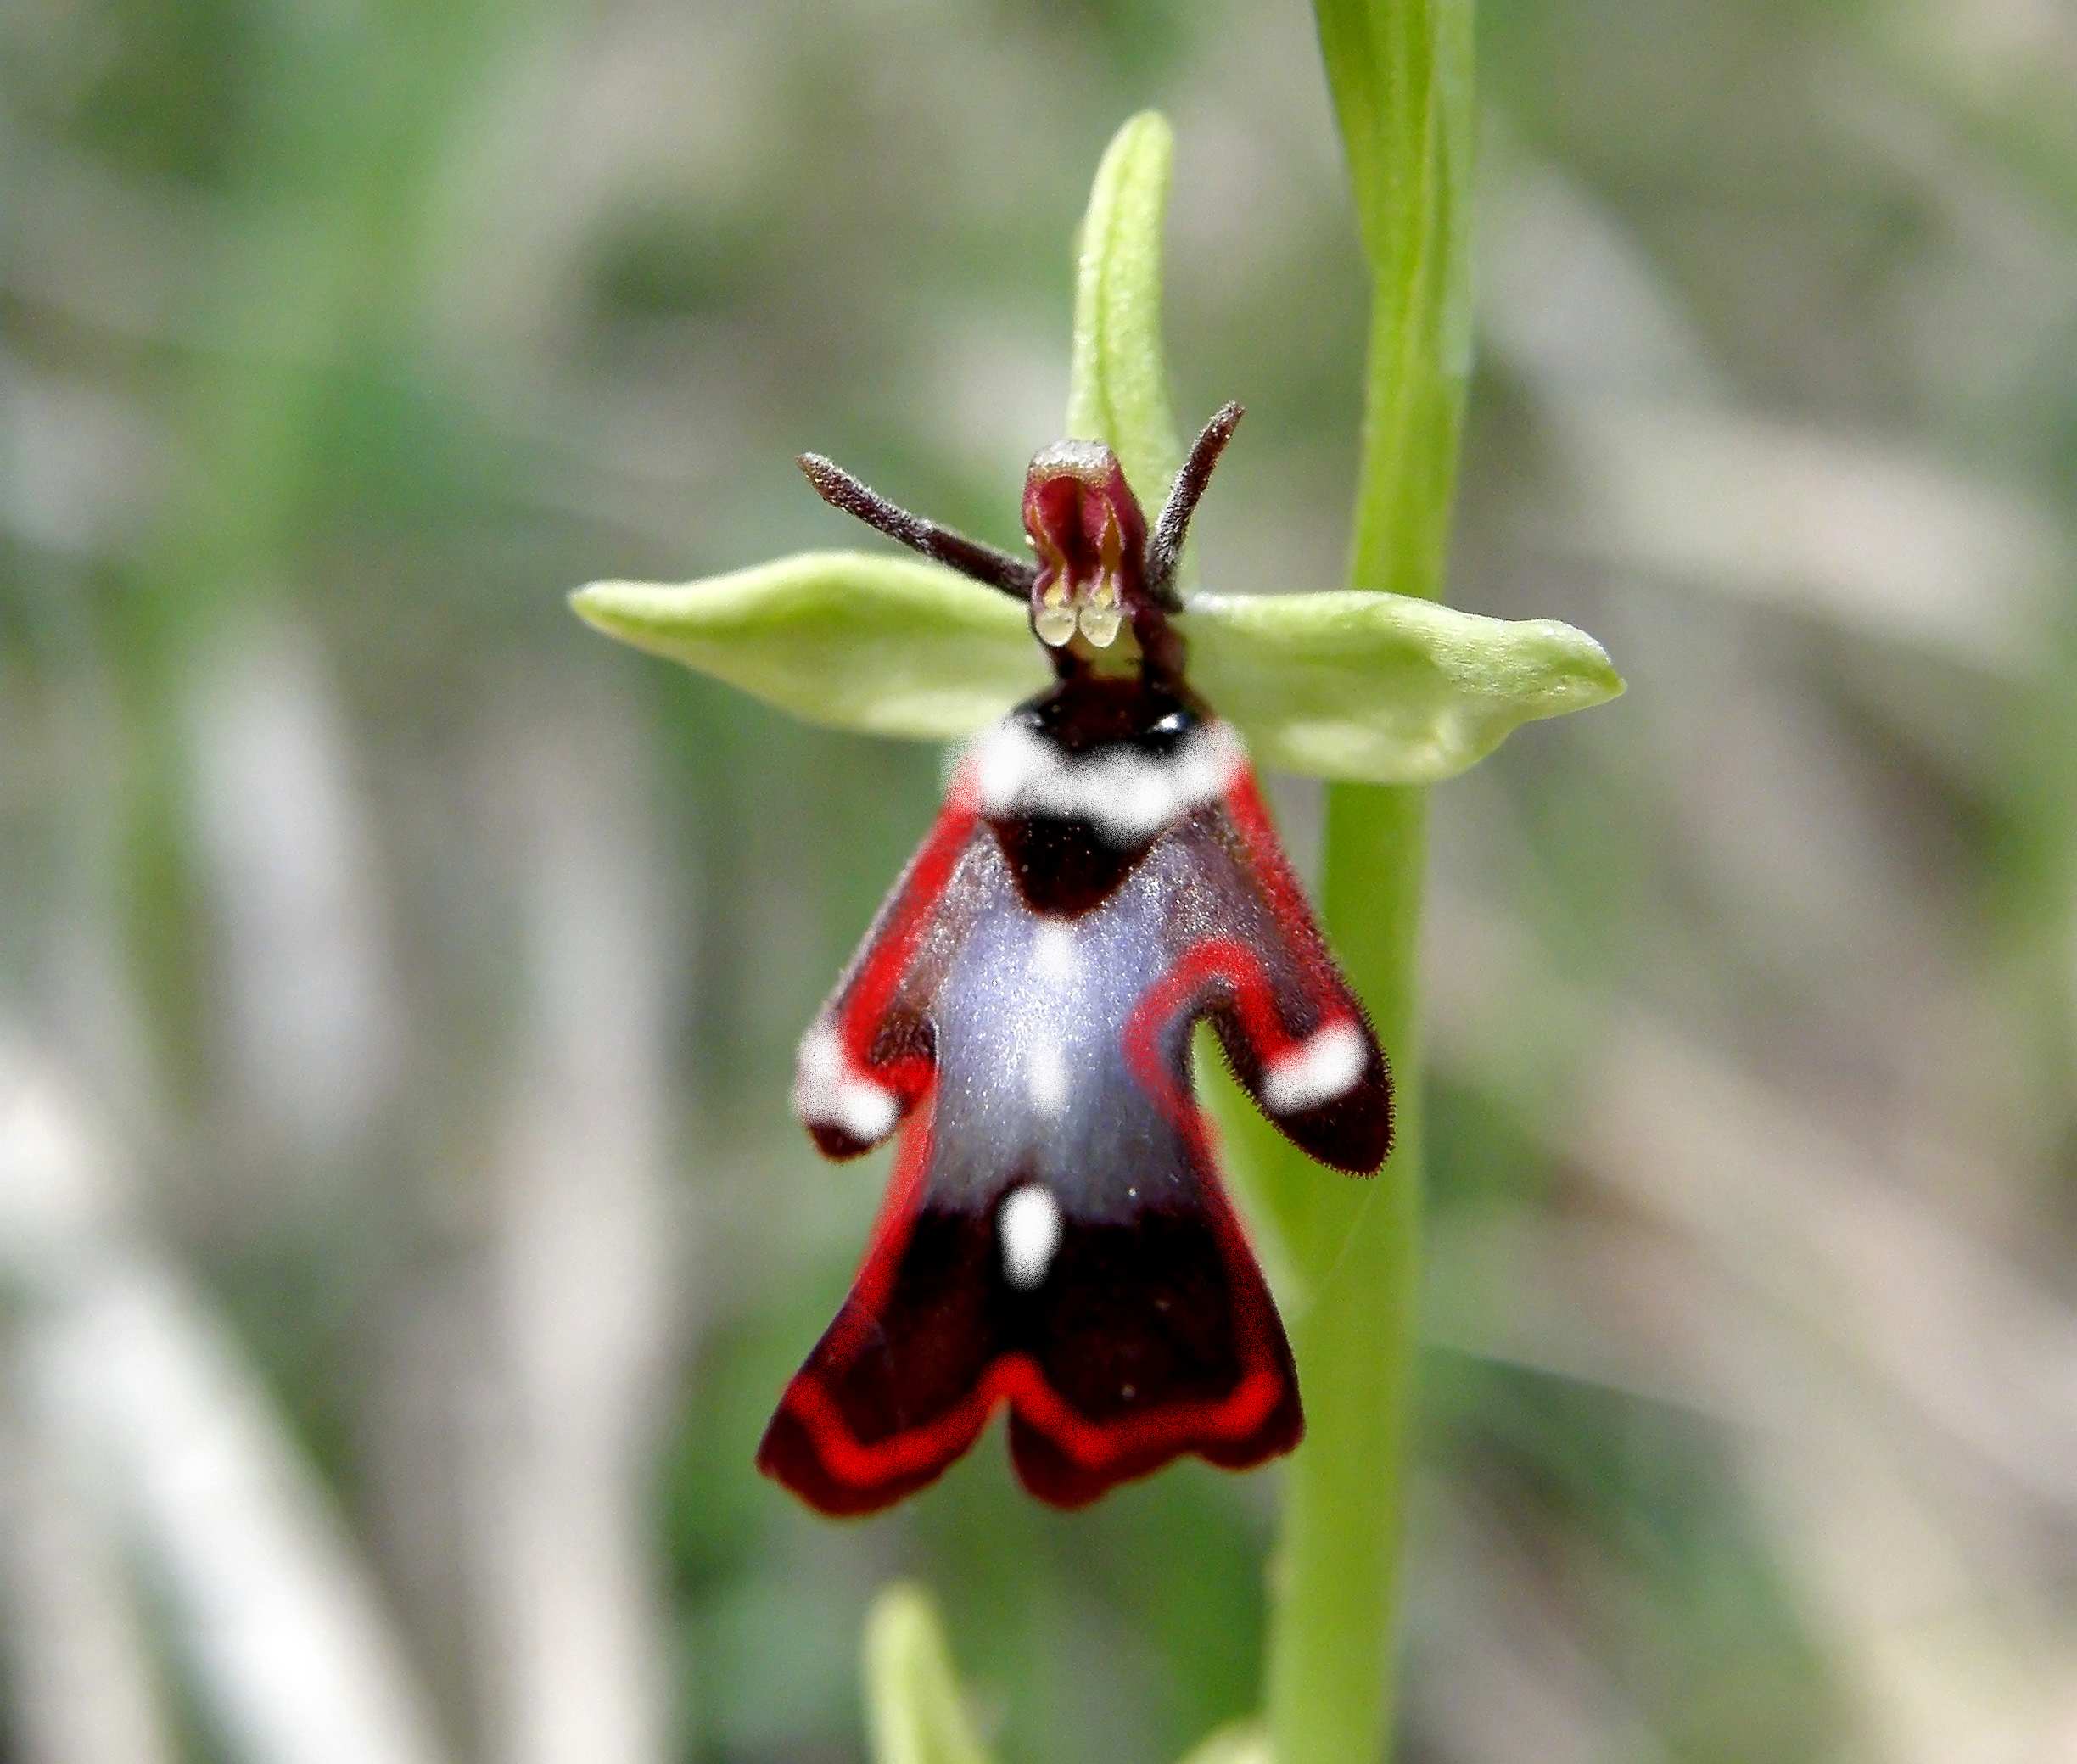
{"type": "Point", "coordinates": [1103, 875]}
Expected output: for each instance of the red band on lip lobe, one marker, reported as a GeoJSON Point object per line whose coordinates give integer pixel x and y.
{"type": "Point", "coordinates": [860, 1016]}
{"type": "Point", "coordinates": [1016, 1378]}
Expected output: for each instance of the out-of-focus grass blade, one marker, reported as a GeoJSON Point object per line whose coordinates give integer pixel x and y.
{"type": "Point", "coordinates": [912, 1697]}
{"type": "Point", "coordinates": [1243, 1742]}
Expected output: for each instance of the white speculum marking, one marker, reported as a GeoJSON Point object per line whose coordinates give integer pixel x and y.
{"type": "Point", "coordinates": [1055, 960]}
{"type": "Point", "coordinates": [1028, 1223]}
{"type": "Point", "coordinates": [1128, 795]}
{"type": "Point", "coordinates": [1325, 1065]}
{"type": "Point", "coordinates": [1054, 965]}
{"type": "Point", "coordinates": [829, 1091]}
{"type": "Point", "coordinates": [1045, 1080]}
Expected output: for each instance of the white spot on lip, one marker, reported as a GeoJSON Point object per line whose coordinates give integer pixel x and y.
{"type": "Point", "coordinates": [1028, 1223]}
{"type": "Point", "coordinates": [1325, 1065]}
{"type": "Point", "coordinates": [829, 1091]}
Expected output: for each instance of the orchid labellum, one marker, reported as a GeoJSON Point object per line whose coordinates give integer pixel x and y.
{"type": "Point", "coordinates": [1102, 876]}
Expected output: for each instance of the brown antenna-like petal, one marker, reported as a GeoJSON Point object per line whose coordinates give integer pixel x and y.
{"type": "Point", "coordinates": [1012, 575]}
{"type": "Point", "coordinates": [1165, 547]}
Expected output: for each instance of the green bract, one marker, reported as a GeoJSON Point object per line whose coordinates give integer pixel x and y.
{"type": "Point", "coordinates": [1374, 687]}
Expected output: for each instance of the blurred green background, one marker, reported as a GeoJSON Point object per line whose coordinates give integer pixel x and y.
{"type": "Point", "coordinates": [402, 1233]}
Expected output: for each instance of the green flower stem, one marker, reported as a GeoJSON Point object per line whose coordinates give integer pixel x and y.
{"type": "Point", "coordinates": [1354, 1257]}
{"type": "Point", "coordinates": [1402, 78]}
